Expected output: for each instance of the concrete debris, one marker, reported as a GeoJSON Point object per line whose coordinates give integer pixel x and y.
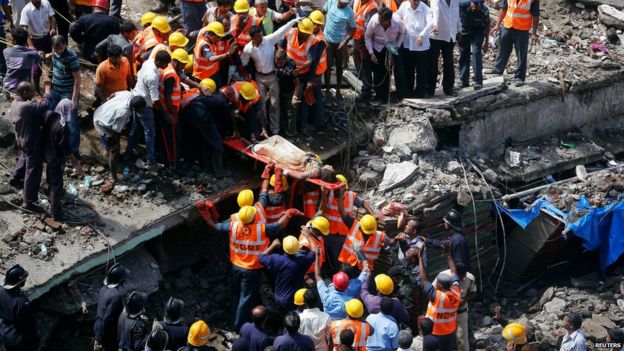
{"type": "Point", "coordinates": [555, 306]}
{"type": "Point", "coordinates": [603, 320]}
{"type": "Point", "coordinates": [418, 135]}
{"type": "Point", "coordinates": [593, 330]}
{"type": "Point", "coordinates": [377, 165]}
{"type": "Point", "coordinates": [7, 135]}
{"type": "Point", "coordinates": [611, 16]}
{"type": "Point", "coordinates": [397, 174]}
{"type": "Point", "coordinates": [618, 4]}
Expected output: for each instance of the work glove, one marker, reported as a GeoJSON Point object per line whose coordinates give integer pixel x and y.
{"type": "Point", "coordinates": [207, 210]}
{"type": "Point", "coordinates": [266, 174]}
{"type": "Point", "coordinates": [291, 212]}
{"type": "Point", "coordinates": [278, 181]}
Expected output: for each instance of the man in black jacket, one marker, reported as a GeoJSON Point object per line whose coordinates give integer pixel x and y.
{"type": "Point", "coordinates": [132, 326]}
{"type": "Point", "coordinates": [173, 323]}
{"type": "Point", "coordinates": [109, 307]}
{"type": "Point", "coordinates": [18, 327]}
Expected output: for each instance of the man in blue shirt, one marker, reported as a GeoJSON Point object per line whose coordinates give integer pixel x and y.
{"type": "Point", "coordinates": [20, 60]}
{"type": "Point", "coordinates": [386, 335]}
{"type": "Point", "coordinates": [336, 294]}
{"type": "Point", "coordinates": [66, 85]}
{"type": "Point", "coordinates": [475, 22]}
{"type": "Point", "coordinates": [293, 340]}
{"type": "Point", "coordinates": [287, 271]}
{"type": "Point", "coordinates": [253, 333]}
{"type": "Point", "coordinates": [6, 11]}
{"type": "Point", "coordinates": [339, 28]}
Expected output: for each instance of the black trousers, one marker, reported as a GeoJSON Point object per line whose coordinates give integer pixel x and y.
{"type": "Point", "coordinates": [415, 65]}
{"type": "Point", "coordinates": [448, 69]}
{"type": "Point", "coordinates": [54, 177]}
{"type": "Point", "coordinates": [378, 75]}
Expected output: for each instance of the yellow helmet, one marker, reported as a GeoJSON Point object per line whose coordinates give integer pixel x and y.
{"type": "Point", "coordinates": [180, 55]}
{"type": "Point", "coordinates": [248, 91]}
{"type": "Point", "coordinates": [515, 333]}
{"type": "Point", "coordinates": [209, 84]}
{"type": "Point", "coordinates": [216, 28]}
{"type": "Point", "coordinates": [189, 66]}
{"type": "Point", "coordinates": [241, 6]}
{"type": "Point", "coordinates": [245, 197]}
{"type": "Point", "coordinates": [198, 334]}
{"type": "Point", "coordinates": [355, 308]}
{"type": "Point", "coordinates": [299, 296]}
{"type": "Point", "coordinates": [368, 224]}
{"type": "Point", "coordinates": [343, 180]}
{"type": "Point", "coordinates": [147, 18]}
{"type": "Point", "coordinates": [247, 214]}
{"type": "Point", "coordinates": [284, 180]}
{"type": "Point", "coordinates": [160, 23]}
{"type": "Point", "coordinates": [321, 224]}
{"type": "Point", "coordinates": [384, 284]}
{"type": "Point", "coordinates": [177, 39]}
{"type": "Point", "coordinates": [305, 26]}
{"type": "Point", "coordinates": [290, 245]}
{"type": "Point", "coordinates": [317, 17]}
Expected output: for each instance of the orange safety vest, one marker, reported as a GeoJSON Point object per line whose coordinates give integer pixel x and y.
{"type": "Point", "coordinates": [247, 242]}
{"type": "Point", "coordinates": [298, 52]}
{"type": "Point", "coordinates": [391, 4]}
{"type": "Point", "coordinates": [158, 48]}
{"type": "Point", "coordinates": [150, 41]}
{"type": "Point", "coordinates": [321, 67]}
{"type": "Point", "coordinates": [361, 331]}
{"type": "Point", "coordinates": [202, 67]}
{"type": "Point", "coordinates": [176, 95]}
{"type": "Point", "coordinates": [443, 310]}
{"type": "Point", "coordinates": [241, 35]}
{"type": "Point", "coordinates": [274, 213]}
{"type": "Point", "coordinates": [139, 40]}
{"type": "Point", "coordinates": [320, 243]}
{"type": "Point", "coordinates": [188, 96]}
{"type": "Point", "coordinates": [248, 104]}
{"type": "Point", "coordinates": [518, 14]}
{"type": "Point", "coordinates": [336, 225]}
{"type": "Point", "coordinates": [361, 12]}
{"type": "Point", "coordinates": [260, 214]}
{"type": "Point", "coordinates": [370, 248]}
{"type": "Point", "coordinates": [310, 202]}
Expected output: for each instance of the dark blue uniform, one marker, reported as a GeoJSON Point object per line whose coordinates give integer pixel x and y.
{"type": "Point", "coordinates": [18, 327]}
{"type": "Point", "coordinates": [178, 332]}
{"type": "Point", "coordinates": [132, 332]}
{"type": "Point", "coordinates": [55, 150]}
{"type": "Point", "coordinates": [474, 24]}
{"type": "Point", "coordinates": [459, 248]}
{"type": "Point", "coordinates": [109, 307]}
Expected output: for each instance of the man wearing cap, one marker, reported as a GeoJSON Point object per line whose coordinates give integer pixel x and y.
{"type": "Point", "coordinates": [287, 270]}
{"type": "Point", "coordinates": [109, 307]}
{"type": "Point", "coordinates": [262, 50]}
{"type": "Point", "coordinates": [92, 28]}
{"type": "Point", "coordinates": [339, 28]}
{"type": "Point", "coordinates": [475, 22]}
{"type": "Point", "coordinates": [444, 300]}
{"type": "Point", "coordinates": [459, 245]}
{"type": "Point", "coordinates": [18, 326]}
{"type": "Point", "coordinates": [385, 287]}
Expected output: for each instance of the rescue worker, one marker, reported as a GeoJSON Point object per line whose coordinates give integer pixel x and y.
{"type": "Point", "coordinates": [132, 327]}
{"type": "Point", "coordinates": [269, 17]}
{"type": "Point", "coordinates": [92, 28]}
{"type": "Point", "coordinates": [385, 287]}
{"type": "Point", "coordinates": [247, 242]}
{"type": "Point", "coordinates": [27, 115]}
{"type": "Point", "coordinates": [245, 97]}
{"type": "Point", "coordinates": [334, 295]}
{"type": "Point", "coordinates": [158, 340]}
{"type": "Point", "coordinates": [287, 270]}
{"type": "Point", "coordinates": [363, 232]}
{"type": "Point", "coordinates": [173, 323]}
{"type": "Point", "coordinates": [306, 51]}
{"type": "Point", "coordinates": [56, 150]}
{"type": "Point", "coordinates": [176, 40]}
{"type": "Point", "coordinates": [109, 307]}
{"type": "Point", "coordinates": [515, 335]}
{"type": "Point", "coordinates": [241, 23]}
{"type": "Point", "coordinates": [198, 338]}
{"type": "Point", "coordinates": [146, 22]}
{"type": "Point", "coordinates": [246, 197]}
{"type": "Point", "coordinates": [361, 329]}
{"type": "Point", "coordinates": [312, 237]}
{"type": "Point", "coordinates": [459, 246]}
{"type": "Point", "coordinates": [201, 114]}
{"type": "Point", "coordinates": [147, 18]}
{"type": "Point", "coordinates": [364, 10]}
{"type": "Point", "coordinates": [444, 299]}
{"type": "Point", "coordinates": [18, 324]}
{"type": "Point", "coordinates": [210, 51]}
{"type": "Point", "coordinates": [157, 33]}
{"type": "Point", "coordinates": [275, 201]}
{"type": "Point", "coordinates": [298, 299]}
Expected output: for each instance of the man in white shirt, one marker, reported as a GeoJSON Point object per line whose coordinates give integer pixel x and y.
{"type": "Point", "coordinates": [414, 53]}
{"type": "Point", "coordinates": [315, 323]}
{"type": "Point", "coordinates": [446, 31]}
{"type": "Point", "coordinates": [262, 50]}
{"type": "Point", "coordinates": [37, 17]}
{"type": "Point", "coordinates": [147, 86]}
{"type": "Point", "coordinates": [573, 340]}
{"type": "Point", "coordinates": [384, 34]}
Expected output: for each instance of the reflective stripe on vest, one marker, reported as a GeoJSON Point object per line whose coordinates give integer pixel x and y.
{"type": "Point", "coordinates": [336, 226]}
{"type": "Point", "coordinates": [360, 18]}
{"type": "Point", "coordinates": [242, 36]}
{"type": "Point", "coordinates": [188, 96]}
{"type": "Point", "coordinates": [260, 217]}
{"type": "Point", "coordinates": [321, 67]}
{"type": "Point", "coordinates": [158, 48]}
{"type": "Point", "coordinates": [443, 311]}
{"type": "Point", "coordinates": [310, 200]}
{"type": "Point", "coordinates": [347, 254]}
{"type": "Point", "coordinates": [296, 51]}
{"type": "Point", "coordinates": [518, 14]}
{"type": "Point", "coordinates": [150, 41]}
{"type": "Point", "coordinates": [274, 213]}
{"type": "Point", "coordinates": [202, 67]}
{"type": "Point", "coordinates": [320, 243]}
{"type": "Point", "coordinates": [361, 331]}
{"type": "Point", "coordinates": [245, 253]}
{"type": "Point", "coordinates": [239, 98]}
{"type": "Point", "coordinates": [176, 95]}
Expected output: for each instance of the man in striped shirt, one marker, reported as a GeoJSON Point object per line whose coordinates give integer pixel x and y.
{"type": "Point", "coordinates": [66, 84]}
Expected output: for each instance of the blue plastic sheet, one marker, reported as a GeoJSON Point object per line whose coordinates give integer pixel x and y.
{"type": "Point", "coordinates": [601, 228]}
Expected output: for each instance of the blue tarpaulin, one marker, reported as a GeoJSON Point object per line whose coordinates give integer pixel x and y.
{"type": "Point", "coordinates": [601, 228]}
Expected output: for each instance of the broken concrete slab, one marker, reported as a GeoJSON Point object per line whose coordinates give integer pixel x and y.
{"type": "Point", "coordinates": [418, 135]}
{"type": "Point", "coordinates": [618, 4]}
{"type": "Point", "coordinates": [594, 330]}
{"type": "Point", "coordinates": [397, 174]}
{"type": "Point", "coordinates": [610, 16]}
{"type": "Point", "coordinates": [490, 86]}
{"type": "Point", "coordinates": [603, 320]}
{"type": "Point", "coordinates": [555, 305]}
